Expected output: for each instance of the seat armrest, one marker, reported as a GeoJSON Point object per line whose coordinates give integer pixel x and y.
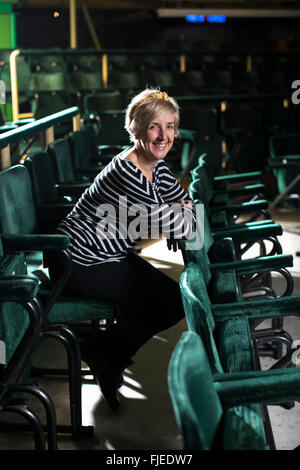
{"type": "Point", "coordinates": [268, 308]}
{"type": "Point", "coordinates": [250, 233]}
{"type": "Point", "coordinates": [244, 208]}
{"type": "Point", "coordinates": [20, 288]}
{"type": "Point", "coordinates": [16, 242]}
{"type": "Point", "coordinates": [251, 175]}
{"type": "Point", "coordinates": [269, 386]}
{"type": "Point", "coordinates": [247, 266]}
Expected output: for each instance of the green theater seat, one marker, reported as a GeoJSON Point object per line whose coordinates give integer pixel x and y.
{"type": "Point", "coordinates": [22, 322]}
{"type": "Point", "coordinates": [21, 233]}
{"type": "Point", "coordinates": [68, 183]}
{"type": "Point", "coordinates": [221, 411]}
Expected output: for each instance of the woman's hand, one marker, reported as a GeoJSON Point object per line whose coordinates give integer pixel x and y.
{"type": "Point", "coordinates": [172, 243]}
{"type": "Point", "coordinates": [183, 202]}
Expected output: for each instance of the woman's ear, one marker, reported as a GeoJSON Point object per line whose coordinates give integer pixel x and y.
{"type": "Point", "coordinates": [137, 135]}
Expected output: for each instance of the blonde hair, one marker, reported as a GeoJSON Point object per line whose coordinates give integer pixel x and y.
{"type": "Point", "coordinates": [144, 107]}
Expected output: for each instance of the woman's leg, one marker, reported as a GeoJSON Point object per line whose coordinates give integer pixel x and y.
{"type": "Point", "coordinates": [147, 300]}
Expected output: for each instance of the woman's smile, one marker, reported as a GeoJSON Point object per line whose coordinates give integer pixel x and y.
{"type": "Point", "coordinates": [160, 135]}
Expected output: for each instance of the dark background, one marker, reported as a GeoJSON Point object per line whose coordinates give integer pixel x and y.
{"type": "Point", "coordinates": [38, 28]}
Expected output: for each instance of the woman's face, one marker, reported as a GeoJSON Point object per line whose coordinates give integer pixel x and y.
{"type": "Point", "coordinates": [159, 136]}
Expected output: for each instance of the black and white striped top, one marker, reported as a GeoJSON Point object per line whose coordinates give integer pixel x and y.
{"type": "Point", "coordinates": [120, 207]}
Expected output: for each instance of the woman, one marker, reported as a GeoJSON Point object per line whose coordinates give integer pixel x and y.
{"type": "Point", "coordinates": [134, 196]}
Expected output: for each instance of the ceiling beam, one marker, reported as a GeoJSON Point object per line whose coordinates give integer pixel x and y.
{"type": "Point", "coordinates": [91, 4]}
{"type": "Point", "coordinates": [230, 13]}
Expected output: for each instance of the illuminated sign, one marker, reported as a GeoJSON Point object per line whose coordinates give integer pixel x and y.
{"type": "Point", "coordinates": [205, 19]}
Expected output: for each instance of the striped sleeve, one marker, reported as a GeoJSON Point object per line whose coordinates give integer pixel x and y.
{"type": "Point", "coordinates": [182, 217]}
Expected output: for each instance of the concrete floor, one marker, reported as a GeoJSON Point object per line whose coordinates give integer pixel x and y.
{"type": "Point", "coordinates": [145, 420]}
{"type": "Point", "coordinates": [286, 423]}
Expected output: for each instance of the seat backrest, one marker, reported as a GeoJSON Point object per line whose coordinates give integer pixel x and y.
{"type": "Point", "coordinates": [195, 401]}
{"type": "Point", "coordinates": [23, 73]}
{"type": "Point", "coordinates": [78, 149]}
{"type": "Point", "coordinates": [240, 116]}
{"type": "Point", "coordinates": [60, 155]}
{"type": "Point", "coordinates": [198, 312]}
{"type": "Point", "coordinates": [124, 80]}
{"type": "Point", "coordinates": [48, 82]}
{"type": "Point", "coordinates": [17, 209]}
{"type": "Point", "coordinates": [199, 256]}
{"type": "Point", "coordinates": [91, 140]}
{"type": "Point", "coordinates": [195, 78]}
{"type": "Point", "coordinates": [194, 250]}
{"type": "Point", "coordinates": [112, 130]}
{"type": "Point", "coordinates": [42, 177]}
{"type": "Point", "coordinates": [198, 195]}
{"type": "Point", "coordinates": [197, 189]}
{"type": "Point", "coordinates": [50, 63]}
{"type": "Point", "coordinates": [161, 77]}
{"type": "Point", "coordinates": [212, 159]}
{"type": "Point", "coordinates": [50, 103]}
{"type": "Point", "coordinates": [285, 144]}
{"type": "Point", "coordinates": [82, 80]}
{"type": "Point", "coordinates": [200, 172]}
{"type": "Point", "coordinates": [104, 100]}
{"type": "Point", "coordinates": [84, 62]}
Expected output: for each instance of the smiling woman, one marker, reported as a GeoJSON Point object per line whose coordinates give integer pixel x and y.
{"type": "Point", "coordinates": [152, 120]}
{"type": "Point", "coordinates": [147, 105]}
{"type": "Point", "coordinates": [154, 144]}
{"type": "Point", "coordinates": [143, 197]}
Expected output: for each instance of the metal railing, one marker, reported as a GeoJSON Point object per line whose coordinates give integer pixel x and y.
{"type": "Point", "coordinates": [44, 125]}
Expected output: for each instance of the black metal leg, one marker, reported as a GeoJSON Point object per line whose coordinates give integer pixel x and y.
{"type": "Point", "coordinates": [49, 408]}
{"type": "Point", "coordinates": [265, 413]}
{"type": "Point", "coordinates": [34, 421]}
{"type": "Point", "coordinates": [67, 337]}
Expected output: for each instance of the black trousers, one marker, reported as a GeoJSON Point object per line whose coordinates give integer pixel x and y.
{"type": "Point", "coordinates": [147, 301]}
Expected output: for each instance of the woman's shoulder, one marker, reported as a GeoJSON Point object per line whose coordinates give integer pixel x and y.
{"type": "Point", "coordinates": [163, 169]}
{"type": "Point", "coordinates": [123, 156]}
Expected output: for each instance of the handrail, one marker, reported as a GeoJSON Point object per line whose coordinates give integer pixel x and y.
{"type": "Point", "coordinates": [45, 124]}
{"type": "Point", "coordinates": [40, 125]}
{"type": "Point", "coordinates": [148, 51]}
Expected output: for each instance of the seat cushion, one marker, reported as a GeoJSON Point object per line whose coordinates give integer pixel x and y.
{"type": "Point", "coordinates": [69, 309]}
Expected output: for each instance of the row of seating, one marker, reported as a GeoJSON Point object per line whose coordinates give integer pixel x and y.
{"type": "Point", "coordinates": [191, 81]}
{"type": "Point", "coordinates": [34, 196]}
{"type": "Point", "coordinates": [274, 152]}
{"type": "Point", "coordinates": [71, 78]}
{"type": "Point", "coordinates": [147, 59]}
{"type": "Point", "coordinates": [218, 386]}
